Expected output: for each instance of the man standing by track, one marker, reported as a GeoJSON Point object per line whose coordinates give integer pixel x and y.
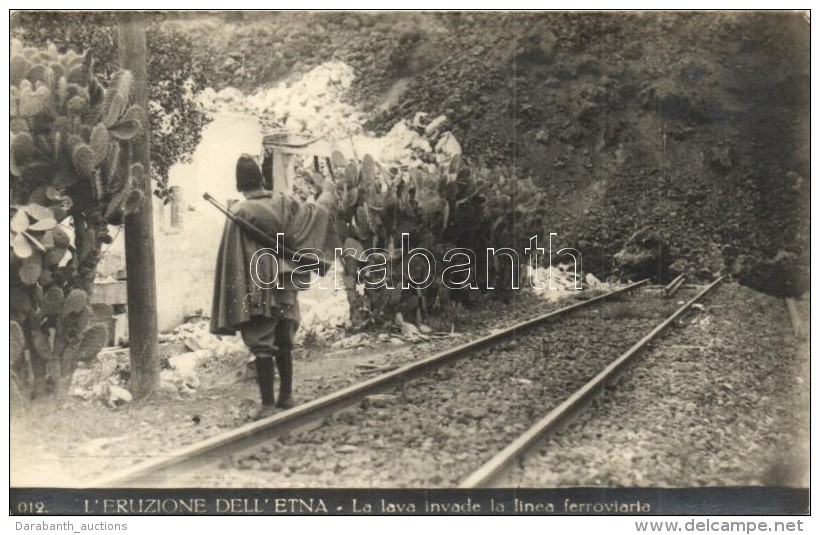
{"type": "Point", "coordinates": [267, 317]}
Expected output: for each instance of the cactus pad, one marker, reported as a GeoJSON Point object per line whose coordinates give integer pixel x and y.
{"type": "Point", "coordinates": [43, 225]}
{"type": "Point", "coordinates": [112, 110]}
{"type": "Point", "coordinates": [54, 255]}
{"type": "Point", "coordinates": [17, 341]}
{"type": "Point", "coordinates": [19, 221]}
{"type": "Point", "coordinates": [116, 98]}
{"type": "Point", "coordinates": [30, 270]}
{"type": "Point", "coordinates": [29, 103]}
{"type": "Point", "coordinates": [111, 166]}
{"type": "Point", "coordinates": [36, 172]}
{"type": "Point", "coordinates": [337, 159]}
{"type": "Point", "coordinates": [92, 340]}
{"type": "Point", "coordinates": [368, 169]}
{"type": "Point", "coordinates": [21, 246]}
{"type": "Point", "coordinates": [96, 92]}
{"type": "Point", "coordinates": [40, 73]}
{"type": "Point", "coordinates": [115, 205]}
{"type": "Point", "coordinates": [352, 174]}
{"type": "Point", "coordinates": [62, 89]}
{"type": "Point", "coordinates": [57, 71]}
{"type": "Point", "coordinates": [76, 104]}
{"type": "Point", "coordinates": [99, 143]}
{"type": "Point", "coordinates": [125, 129]}
{"type": "Point", "coordinates": [22, 146]}
{"type": "Point", "coordinates": [83, 160]}
{"type": "Point", "coordinates": [39, 212]}
{"type": "Point", "coordinates": [61, 237]}
{"type": "Point", "coordinates": [18, 69]}
{"type": "Point", "coordinates": [74, 302]}
{"type": "Point", "coordinates": [76, 75]}
{"type": "Point", "coordinates": [52, 301]}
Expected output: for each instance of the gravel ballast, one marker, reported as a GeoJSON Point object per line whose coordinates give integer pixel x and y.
{"type": "Point", "coordinates": [722, 400]}
{"type": "Point", "coordinates": [439, 428]}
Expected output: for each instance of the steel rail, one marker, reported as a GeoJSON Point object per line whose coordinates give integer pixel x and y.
{"type": "Point", "coordinates": [161, 468]}
{"type": "Point", "coordinates": [670, 289]}
{"type": "Point", "coordinates": [501, 462]}
{"type": "Point", "coordinates": [801, 330]}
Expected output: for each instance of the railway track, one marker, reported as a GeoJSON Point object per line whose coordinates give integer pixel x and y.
{"type": "Point", "coordinates": [430, 422]}
{"type": "Point", "coordinates": [496, 468]}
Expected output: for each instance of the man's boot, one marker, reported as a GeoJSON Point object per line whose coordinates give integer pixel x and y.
{"type": "Point", "coordinates": [264, 376]}
{"type": "Point", "coordinates": [284, 364]}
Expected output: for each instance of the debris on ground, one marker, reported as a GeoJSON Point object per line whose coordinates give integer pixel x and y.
{"type": "Point", "coordinates": [109, 370]}
{"type": "Point", "coordinates": [349, 342]}
{"type": "Point", "coordinates": [192, 358]}
{"type": "Point", "coordinates": [555, 282]}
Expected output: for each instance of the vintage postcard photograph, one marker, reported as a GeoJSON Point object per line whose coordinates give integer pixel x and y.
{"type": "Point", "coordinates": [409, 262]}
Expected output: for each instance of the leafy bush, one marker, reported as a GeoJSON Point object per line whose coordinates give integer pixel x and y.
{"type": "Point", "coordinates": [71, 176]}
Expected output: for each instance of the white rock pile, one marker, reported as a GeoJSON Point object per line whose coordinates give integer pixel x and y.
{"type": "Point", "coordinates": [316, 105]}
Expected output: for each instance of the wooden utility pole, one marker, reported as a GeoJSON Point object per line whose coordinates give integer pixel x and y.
{"type": "Point", "coordinates": [139, 226]}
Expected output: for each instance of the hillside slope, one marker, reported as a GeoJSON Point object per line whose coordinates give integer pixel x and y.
{"type": "Point", "coordinates": [694, 125]}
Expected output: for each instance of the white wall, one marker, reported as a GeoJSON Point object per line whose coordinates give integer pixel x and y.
{"type": "Point", "coordinates": [185, 258]}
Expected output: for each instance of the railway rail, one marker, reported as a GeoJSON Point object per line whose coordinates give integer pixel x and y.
{"type": "Point", "coordinates": [242, 442]}
{"type": "Point", "coordinates": [801, 328]}
{"type": "Point", "coordinates": [494, 469]}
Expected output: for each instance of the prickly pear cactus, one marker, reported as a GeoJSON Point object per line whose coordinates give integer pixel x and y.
{"type": "Point", "coordinates": [70, 178]}
{"type": "Point", "coordinates": [442, 205]}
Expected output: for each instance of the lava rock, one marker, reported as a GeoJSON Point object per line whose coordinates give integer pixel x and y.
{"type": "Point", "coordinates": [645, 255]}
{"type": "Point", "coordinates": [784, 275]}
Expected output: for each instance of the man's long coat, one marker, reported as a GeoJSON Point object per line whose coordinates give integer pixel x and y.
{"type": "Point", "coordinates": [236, 297]}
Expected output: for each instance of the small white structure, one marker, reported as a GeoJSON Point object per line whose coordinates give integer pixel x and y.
{"type": "Point", "coordinates": [282, 147]}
